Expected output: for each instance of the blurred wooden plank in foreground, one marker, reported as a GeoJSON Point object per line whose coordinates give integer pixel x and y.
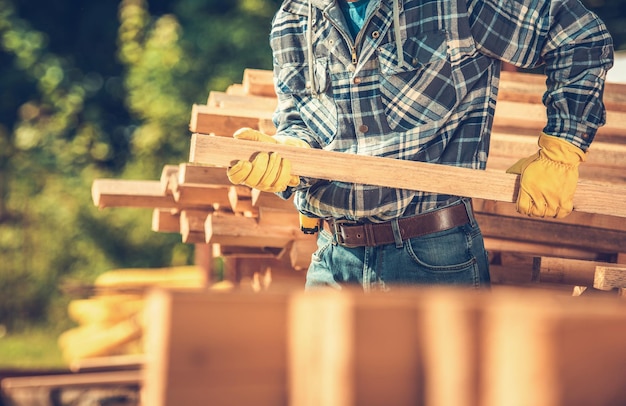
{"type": "Point", "coordinates": [418, 346]}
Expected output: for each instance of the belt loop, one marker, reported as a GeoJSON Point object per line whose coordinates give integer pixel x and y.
{"type": "Point", "coordinates": [470, 211]}
{"type": "Point", "coordinates": [397, 235]}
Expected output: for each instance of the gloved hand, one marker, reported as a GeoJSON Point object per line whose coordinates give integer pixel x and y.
{"type": "Point", "coordinates": [267, 172]}
{"type": "Point", "coordinates": [548, 178]}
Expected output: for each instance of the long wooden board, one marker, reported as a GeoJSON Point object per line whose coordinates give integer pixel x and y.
{"type": "Point", "coordinates": [315, 163]}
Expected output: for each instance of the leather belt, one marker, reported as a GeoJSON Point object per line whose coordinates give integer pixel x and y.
{"type": "Point", "coordinates": [350, 234]}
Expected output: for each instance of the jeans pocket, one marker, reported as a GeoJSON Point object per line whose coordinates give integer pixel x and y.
{"type": "Point", "coordinates": [442, 258]}
{"type": "Point", "coordinates": [324, 242]}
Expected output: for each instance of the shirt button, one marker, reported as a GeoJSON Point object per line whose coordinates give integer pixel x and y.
{"type": "Point", "coordinates": [363, 128]}
{"type": "Point", "coordinates": [375, 34]}
{"type": "Point", "coordinates": [357, 81]}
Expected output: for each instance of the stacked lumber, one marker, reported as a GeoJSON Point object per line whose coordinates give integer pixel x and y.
{"type": "Point", "coordinates": [110, 320]}
{"type": "Point", "coordinates": [256, 231]}
{"type": "Point", "coordinates": [596, 231]}
{"type": "Point", "coordinates": [416, 347]}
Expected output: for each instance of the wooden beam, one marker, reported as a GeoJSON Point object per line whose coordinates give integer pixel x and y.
{"type": "Point", "coordinates": [168, 172]}
{"type": "Point", "coordinates": [551, 233]}
{"type": "Point", "coordinates": [533, 117]}
{"type": "Point", "coordinates": [248, 102]}
{"type": "Point", "coordinates": [130, 193]}
{"type": "Point", "coordinates": [202, 175]}
{"type": "Point", "coordinates": [600, 153]}
{"type": "Point", "coordinates": [538, 249]}
{"type": "Point", "coordinates": [224, 121]}
{"type": "Point", "coordinates": [332, 336]}
{"type": "Point", "coordinates": [609, 277]}
{"type": "Point", "coordinates": [240, 199]}
{"type": "Point", "coordinates": [192, 226]}
{"type": "Point", "coordinates": [216, 348]}
{"type": "Point", "coordinates": [258, 82]}
{"type": "Point", "coordinates": [265, 199]}
{"type": "Point", "coordinates": [165, 221]}
{"type": "Point", "coordinates": [530, 87]}
{"type": "Point", "coordinates": [578, 218]}
{"type": "Point", "coordinates": [565, 271]}
{"type": "Point", "coordinates": [587, 172]}
{"type": "Point", "coordinates": [491, 185]}
{"type": "Point", "coordinates": [568, 351]}
{"type": "Point", "coordinates": [201, 195]}
{"type": "Point", "coordinates": [84, 380]}
{"type": "Point", "coordinates": [300, 252]}
{"type": "Point", "coordinates": [246, 231]}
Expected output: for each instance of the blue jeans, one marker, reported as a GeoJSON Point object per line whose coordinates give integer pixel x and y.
{"type": "Point", "coordinates": [453, 257]}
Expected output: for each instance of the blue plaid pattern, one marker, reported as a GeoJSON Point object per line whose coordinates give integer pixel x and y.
{"type": "Point", "coordinates": [437, 105]}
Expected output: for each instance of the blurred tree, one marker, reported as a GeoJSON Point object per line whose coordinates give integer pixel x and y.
{"type": "Point", "coordinates": [101, 89]}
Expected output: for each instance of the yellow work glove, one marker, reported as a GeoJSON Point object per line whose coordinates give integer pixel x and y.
{"type": "Point", "coordinates": [267, 172]}
{"type": "Point", "coordinates": [548, 178]}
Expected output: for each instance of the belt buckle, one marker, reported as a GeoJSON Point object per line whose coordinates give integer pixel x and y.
{"type": "Point", "coordinates": [336, 225]}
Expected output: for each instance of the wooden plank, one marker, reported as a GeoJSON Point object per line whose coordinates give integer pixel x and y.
{"type": "Point", "coordinates": [533, 117]}
{"type": "Point", "coordinates": [130, 193]}
{"type": "Point", "coordinates": [202, 175]}
{"type": "Point", "coordinates": [247, 231]}
{"type": "Point", "coordinates": [88, 379]}
{"type": "Point", "coordinates": [224, 121]}
{"type": "Point", "coordinates": [363, 350]}
{"type": "Point", "coordinates": [592, 173]}
{"type": "Point", "coordinates": [609, 277]}
{"type": "Point", "coordinates": [565, 271]}
{"type": "Point", "coordinates": [300, 252]}
{"type": "Point", "coordinates": [216, 348]}
{"type": "Point", "coordinates": [538, 249]}
{"type": "Point", "coordinates": [529, 88]}
{"type": "Point", "coordinates": [198, 185]}
{"type": "Point", "coordinates": [165, 221]}
{"type": "Point", "coordinates": [601, 154]}
{"type": "Point", "coordinates": [537, 350]}
{"type": "Point", "coordinates": [490, 185]}
{"type": "Point", "coordinates": [201, 195]}
{"type": "Point", "coordinates": [451, 329]}
{"type": "Point", "coordinates": [271, 216]}
{"type": "Point", "coordinates": [258, 82]}
{"type": "Point", "coordinates": [237, 251]}
{"type": "Point", "coordinates": [167, 173]}
{"type": "Point", "coordinates": [551, 233]}
{"type": "Point", "coordinates": [249, 102]}
{"type": "Point", "coordinates": [576, 218]}
{"type": "Point", "coordinates": [264, 199]}
{"type": "Point", "coordinates": [240, 199]}
{"type": "Point", "coordinates": [192, 226]}
{"type": "Point", "coordinates": [127, 362]}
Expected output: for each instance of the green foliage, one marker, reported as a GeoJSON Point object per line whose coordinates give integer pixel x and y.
{"type": "Point", "coordinates": [111, 100]}
{"type": "Point", "coordinates": [34, 347]}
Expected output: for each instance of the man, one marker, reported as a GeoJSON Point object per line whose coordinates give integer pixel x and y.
{"type": "Point", "coordinates": [418, 80]}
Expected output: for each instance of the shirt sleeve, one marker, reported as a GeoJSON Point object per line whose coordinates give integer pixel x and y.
{"type": "Point", "coordinates": [571, 43]}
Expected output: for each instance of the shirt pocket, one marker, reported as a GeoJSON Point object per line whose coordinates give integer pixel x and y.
{"type": "Point", "coordinates": [421, 89]}
{"type": "Point", "coordinates": [317, 109]}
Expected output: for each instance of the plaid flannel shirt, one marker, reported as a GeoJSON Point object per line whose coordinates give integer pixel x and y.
{"type": "Point", "coordinates": [433, 103]}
